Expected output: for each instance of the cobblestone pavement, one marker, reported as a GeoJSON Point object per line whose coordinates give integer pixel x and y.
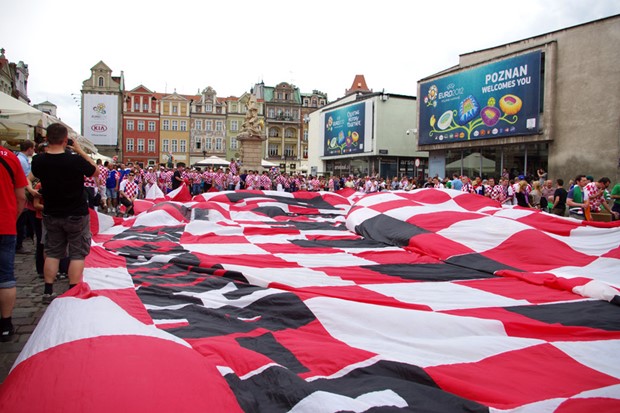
{"type": "Point", "coordinates": [28, 309]}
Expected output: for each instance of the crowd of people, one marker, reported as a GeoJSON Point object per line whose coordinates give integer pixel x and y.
{"type": "Point", "coordinates": [48, 198]}
{"type": "Point", "coordinates": [120, 184]}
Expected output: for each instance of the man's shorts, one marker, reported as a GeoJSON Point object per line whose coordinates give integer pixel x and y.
{"type": "Point", "coordinates": [68, 236]}
{"type": "Point", "coordinates": [7, 261]}
{"type": "Point", "coordinates": [103, 191]}
{"type": "Point", "coordinates": [111, 193]}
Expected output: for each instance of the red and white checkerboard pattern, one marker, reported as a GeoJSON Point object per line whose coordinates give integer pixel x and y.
{"type": "Point", "coordinates": [449, 302]}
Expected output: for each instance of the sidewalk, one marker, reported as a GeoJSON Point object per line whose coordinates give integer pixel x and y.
{"type": "Point", "coordinates": [28, 309]}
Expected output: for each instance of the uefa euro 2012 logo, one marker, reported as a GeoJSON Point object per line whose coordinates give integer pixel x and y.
{"type": "Point", "coordinates": [100, 108]}
{"type": "Point", "coordinates": [431, 98]}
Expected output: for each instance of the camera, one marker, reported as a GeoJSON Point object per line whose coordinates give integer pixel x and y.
{"type": "Point", "coordinates": [70, 142]}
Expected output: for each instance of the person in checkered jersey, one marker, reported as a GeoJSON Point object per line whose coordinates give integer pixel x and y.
{"type": "Point", "coordinates": [128, 192]}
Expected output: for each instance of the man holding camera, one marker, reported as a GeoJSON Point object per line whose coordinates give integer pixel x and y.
{"type": "Point", "coordinates": [65, 210]}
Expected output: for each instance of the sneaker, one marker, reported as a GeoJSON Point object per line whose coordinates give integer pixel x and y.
{"type": "Point", "coordinates": [48, 298]}
{"type": "Point", "coordinates": [7, 335]}
{"type": "Point", "coordinates": [61, 276]}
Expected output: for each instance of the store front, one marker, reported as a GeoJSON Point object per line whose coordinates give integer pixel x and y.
{"type": "Point", "coordinates": [386, 167]}
{"type": "Point", "coordinates": [490, 161]}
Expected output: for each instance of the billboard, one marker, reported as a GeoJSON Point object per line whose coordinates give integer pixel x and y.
{"type": "Point", "coordinates": [101, 118]}
{"type": "Point", "coordinates": [345, 129]}
{"type": "Point", "coordinates": [492, 101]}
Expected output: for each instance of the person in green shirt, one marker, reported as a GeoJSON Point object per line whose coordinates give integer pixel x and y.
{"type": "Point", "coordinates": [574, 199]}
{"type": "Point", "coordinates": [615, 196]}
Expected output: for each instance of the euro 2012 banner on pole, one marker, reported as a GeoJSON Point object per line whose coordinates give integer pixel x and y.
{"type": "Point", "coordinates": [101, 118]}
{"type": "Point", "coordinates": [491, 101]}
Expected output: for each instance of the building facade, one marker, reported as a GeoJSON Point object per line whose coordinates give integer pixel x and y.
{"type": "Point", "coordinates": [550, 101]}
{"type": "Point", "coordinates": [102, 103]}
{"type": "Point", "coordinates": [174, 112]}
{"type": "Point", "coordinates": [14, 78]}
{"type": "Point", "coordinates": [208, 136]}
{"type": "Point", "coordinates": [141, 126]}
{"type": "Point", "coordinates": [366, 133]}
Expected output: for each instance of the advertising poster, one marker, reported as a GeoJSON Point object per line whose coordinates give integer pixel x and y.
{"type": "Point", "coordinates": [491, 101]}
{"type": "Point", "coordinates": [344, 130]}
{"type": "Point", "coordinates": [101, 119]}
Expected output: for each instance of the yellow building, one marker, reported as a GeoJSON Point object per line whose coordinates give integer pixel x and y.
{"type": "Point", "coordinates": [175, 128]}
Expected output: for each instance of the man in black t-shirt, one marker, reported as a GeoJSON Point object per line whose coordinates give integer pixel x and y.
{"type": "Point", "coordinates": [559, 199]}
{"type": "Point", "coordinates": [177, 177]}
{"type": "Point", "coordinates": [65, 207]}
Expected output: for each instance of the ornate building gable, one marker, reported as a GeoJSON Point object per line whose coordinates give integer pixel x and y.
{"type": "Point", "coordinates": [101, 80]}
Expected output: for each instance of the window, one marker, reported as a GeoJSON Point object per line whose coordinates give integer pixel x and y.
{"type": "Point", "coordinates": [218, 144]}
{"type": "Point", "coordinates": [208, 144]}
{"type": "Point", "coordinates": [151, 126]}
{"type": "Point", "coordinates": [140, 125]}
{"type": "Point", "coordinates": [183, 125]}
{"type": "Point", "coordinates": [305, 152]}
{"type": "Point", "coordinates": [274, 149]}
{"type": "Point", "coordinates": [234, 108]}
{"type": "Point", "coordinates": [272, 113]}
{"type": "Point", "coordinates": [165, 124]}
{"type": "Point", "coordinates": [219, 126]}
{"type": "Point", "coordinates": [130, 125]}
{"type": "Point", "coordinates": [129, 145]}
{"type": "Point", "coordinates": [165, 146]}
{"type": "Point", "coordinates": [208, 125]}
{"type": "Point", "coordinates": [218, 110]}
{"type": "Point", "coordinates": [305, 101]}
{"type": "Point", "coordinates": [140, 145]}
{"type": "Point", "coordinates": [183, 145]}
{"type": "Point", "coordinates": [151, 145]}
{"type": "Point", "coordinates": [136, 106]}
{"type": "Point", "coordinates": [305, 135]}
{"type": "Point", "coordinates": [145, 107]}
{"type": "Point", "coordinates": [198, 144]}
{"type": "Point", "coordinates": [234, 125]}
{"type": "Point", "coordinates": [175, 109]}
{"type": "Point", "coordinates": [100, 81]}
{"type": "Point", "coordinates": [280, 95]}
{"type": "Point", "coordinates": [198, 124]}
{"type": "Point", "coordinates": [289, 150]}
{"type": "Point", "coordinates": [287, 113]}
{"type": "Point", "coordinates": [289, 133]}
{"type": "Point", "coordinates": [274, 132]}
{"type": "Point", "coordinates": [233, 143]}
{"type": "Point", "coordinates": [175, 125]}
{"type": "Point", "coordinates": [209, 108]}
{"type": "Point", "coordinates": [174, 146]}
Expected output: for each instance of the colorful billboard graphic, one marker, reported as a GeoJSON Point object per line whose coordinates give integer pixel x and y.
{"type": "Point", "coordinates": [491, 101]}
{"type": "Point", "coordinates": [344, 130]}
{"type": "Point", "coordinates": [101, 119]}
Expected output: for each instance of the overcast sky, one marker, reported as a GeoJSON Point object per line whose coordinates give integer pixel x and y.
{"type": "Point", "coordinates": [319, 44]}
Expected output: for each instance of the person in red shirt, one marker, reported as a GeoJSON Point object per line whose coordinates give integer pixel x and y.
{"type": "Point", "coordinates": [12, 200]}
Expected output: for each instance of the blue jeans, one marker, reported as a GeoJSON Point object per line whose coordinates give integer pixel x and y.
{"type": "Point", "coordinates": [7, 261]}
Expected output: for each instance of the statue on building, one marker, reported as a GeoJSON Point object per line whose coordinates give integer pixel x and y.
{"type": "Point", "coordinates": [252, 126]}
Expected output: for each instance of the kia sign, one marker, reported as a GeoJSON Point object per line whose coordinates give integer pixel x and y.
{"type": "Point", "coordinates": [99, 128]}
{"type": "Point", "coordinates": [101, 119]}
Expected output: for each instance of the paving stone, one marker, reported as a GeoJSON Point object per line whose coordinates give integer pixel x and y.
{"type": "Point", "coordinates": [28, 308]}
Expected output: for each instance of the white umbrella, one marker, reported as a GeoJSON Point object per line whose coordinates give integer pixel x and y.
{"type": "Point", "coordinates": [212, 160]}
{"type": "Point", "coordinates": [473, 161]}
{"type": "Point", "coordinates": [266, 164]}
{"type": "Point", "coordinates": [18, 120]}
